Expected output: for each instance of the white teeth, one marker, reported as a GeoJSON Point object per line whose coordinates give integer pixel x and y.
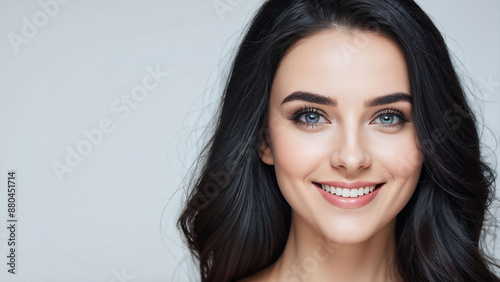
{"type": "Point", "coordinates": [348, 193]}
{"type": "Point", "coordinates": [354, 193]}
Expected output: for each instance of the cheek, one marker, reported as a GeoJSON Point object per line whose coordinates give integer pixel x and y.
{"type": "Point", "coordinates": [399, 155]}
{"type": "Point", "coordinates": [297, 153]}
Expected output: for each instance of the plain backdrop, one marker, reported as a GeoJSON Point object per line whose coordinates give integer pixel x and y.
{"type": "Point", "coordinates": [103, 105]}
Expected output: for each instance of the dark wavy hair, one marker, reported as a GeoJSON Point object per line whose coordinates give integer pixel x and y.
{"type": "Point", "coordinates": [236, 221]}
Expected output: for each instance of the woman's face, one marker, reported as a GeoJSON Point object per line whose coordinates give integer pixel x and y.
{"type": "Point", "coordinates": [341, 120]}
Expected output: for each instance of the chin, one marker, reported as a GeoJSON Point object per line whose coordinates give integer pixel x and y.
{"type": "Point", "coordinates": [343, 237]}
{"type": "Point", "coordinates": [357, 233]}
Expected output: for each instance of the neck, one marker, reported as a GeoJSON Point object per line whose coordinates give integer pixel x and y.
{"type": "Point", "coordinates": [310, 256]}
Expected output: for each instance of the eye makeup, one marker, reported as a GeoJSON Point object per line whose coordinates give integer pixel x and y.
{"type": "Point", "coordinates": [312, 117]}
{"type": "Point", "coordinates": [299, 117]}
{"type": "Point", "coordinates": [389, 114]}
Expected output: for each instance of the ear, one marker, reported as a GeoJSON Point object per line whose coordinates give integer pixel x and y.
{"type": "Point", "coordinates": [265, 153]}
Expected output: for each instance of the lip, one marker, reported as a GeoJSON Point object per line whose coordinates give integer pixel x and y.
{"type": "Point", "coordinates": [349, 203]}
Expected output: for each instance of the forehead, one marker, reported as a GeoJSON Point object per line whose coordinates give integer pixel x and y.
{"type": "Point", "coordinates": [337, 63]}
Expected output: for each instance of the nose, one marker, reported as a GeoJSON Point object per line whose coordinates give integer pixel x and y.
{"type": "Point", "coordinates": [351, 153]}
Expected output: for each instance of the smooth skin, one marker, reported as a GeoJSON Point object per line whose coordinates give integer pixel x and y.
{"type": "Point", "coordinates": [337, 133]}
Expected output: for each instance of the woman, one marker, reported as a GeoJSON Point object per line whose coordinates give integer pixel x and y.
{"type": "Point", "coordinates": [345, 150]}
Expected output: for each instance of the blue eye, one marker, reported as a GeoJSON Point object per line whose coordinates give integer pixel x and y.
{"type": "Point", "coordinates": [311, 118]}
{"type": "Point", "coordinates": [388, 119]}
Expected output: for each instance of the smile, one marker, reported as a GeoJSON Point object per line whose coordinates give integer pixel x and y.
{"type": "Point", "coordinates": [348, 192]}
{"type": "Point", "coordinates": [349, 195]}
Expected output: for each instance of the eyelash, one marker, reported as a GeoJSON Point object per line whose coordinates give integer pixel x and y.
{"type": "Point", "coordinates": [308, 109]}
{"type": "Point", "coordinates": [393, 111]}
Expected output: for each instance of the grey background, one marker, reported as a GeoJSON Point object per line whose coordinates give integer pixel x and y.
{"type": "Point", "coordinates": [112, 217]}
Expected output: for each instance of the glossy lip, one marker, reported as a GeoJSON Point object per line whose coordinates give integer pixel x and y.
{"type": "Point", "coordinates": [349, 203]}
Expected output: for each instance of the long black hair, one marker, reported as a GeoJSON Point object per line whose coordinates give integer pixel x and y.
{"type": "Point", "coordinates": [236, 221]}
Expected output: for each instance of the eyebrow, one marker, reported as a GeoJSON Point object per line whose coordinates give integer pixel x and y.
{"type": "Point", "coordinates": [388, 99]}
{"type": "Point", "coordinates": [324, 100]}
{"type": "Point", "coordinates": [310, 97]}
